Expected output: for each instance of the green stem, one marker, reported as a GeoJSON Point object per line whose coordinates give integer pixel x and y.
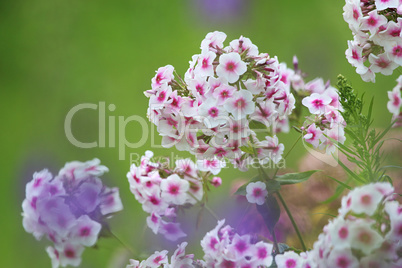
{"type": "Point", "coordinates": [286, 155]}
{"type": "Point", "coordinates": [211, 212]}
{"type": "Point", "coordinates": [275, 243]}
{"type": "Point", "coordinates": [204, 204]}
{"type": "Point", "coordinates": [292, 220]}
{"type": "Point", "coordinates": [129, 249]}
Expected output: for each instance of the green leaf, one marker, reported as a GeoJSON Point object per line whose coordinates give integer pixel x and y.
{"type": "Point", "coordinates": [339, 190]}
{"type": "Point", "coordinates": [369, 113]}
{"type": "Point", "coordinates": [282, 247]}
{"type": "Point", "coordinates": [257, 125]}
{"type": "Point", "coordinates": [242, 189]}
{"type": "Point", "coordinates": [379, 137]}
{"type": "Point", "coordinates": [341, 183]}
{"type": "Point", "coordinates": [272, 186]}
{"type": "Point", "coordinates": [247, 150]}
{"type": "Point", "coordinates": [351, 173]}
{"type": "Point", "coordinates": [270, 212]}
{"type": "Point", "coordinates": [293, 178]}
{"type": "Point", "coordinates": [384, 167]}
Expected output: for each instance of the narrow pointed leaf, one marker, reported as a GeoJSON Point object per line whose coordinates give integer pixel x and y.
{"type": "Point", "coordinates": [293, 178]}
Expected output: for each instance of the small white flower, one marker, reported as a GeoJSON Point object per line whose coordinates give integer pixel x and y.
{"type": "Point", "coordinates": [231, 67]}
{"type": "Point", "coordinates": [256, 192]}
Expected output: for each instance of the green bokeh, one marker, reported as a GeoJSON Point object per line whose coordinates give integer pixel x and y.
{"type": "Point", "coordinates": [57, 54]}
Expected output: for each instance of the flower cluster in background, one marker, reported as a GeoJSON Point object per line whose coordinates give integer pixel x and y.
{"type": "Point", "coordinates": [160, 258]}
{"type": "Point", "coordinates": [377, 45]}
{"type": "Point", "coordinates": [223, 247]}
{"type": "Point", "coordinates": [69, 209]}
{"type": "Point", "coordinates": [395, 102]}
{"type": "Point", "coordinates": [208, 113]}
{"type": "Point", "coordinates": [161, 189]}
{"type": "Point", "coordinates": [366, 233]}
{"type": "Point", "coordinates": [326, 124]}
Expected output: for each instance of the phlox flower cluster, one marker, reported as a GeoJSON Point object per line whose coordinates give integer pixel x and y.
{"type": "Point", "coordinates": [179, 259]}
{"type": "Point", "coordinates": [395, 101]}
{"type": "Point", "coordinates": [326, 124]}
{"type": "Point", "coordinates": [366, 233]}
{"type": "Point", "coordinates": [69, 209]}
{"type": "Point", "coordinates": [161, 190]}
{"type": "Point", "coordinates": [223, 247]}
{"type": "Point", "coordinates": [208, 112]}
{"type": "Point", "coordinates": [377, 44]}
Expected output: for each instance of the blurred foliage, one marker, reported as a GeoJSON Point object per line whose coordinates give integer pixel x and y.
{"type": "Point", "coordinates": [57, 54]}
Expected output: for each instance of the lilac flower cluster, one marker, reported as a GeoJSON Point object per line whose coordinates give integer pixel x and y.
{"type": "Point", "coordinates": [160, 258]}
{"type": "Point", "coordinates": [366, 233]}
{"type": "Point", "coordinates": [326, 122]}
{"type": "Point", "coordinates": [69, 209]}
{"type": "Point", "coordinates": [376, 27]}
{"type": "Point", "coordinates": [161, 190]}
{"type": "Point", "coordinates": [208, 113]}
{"type": "Point", "coordinates": [395, 101]}
{"type": "Point", "coordinates": [225, 248]}
{"type": "Point", "coordinates": [222, 248]}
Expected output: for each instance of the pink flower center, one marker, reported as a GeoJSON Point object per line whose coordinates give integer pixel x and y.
{"type": "Point", "coordinates": [355, 55]}
{"type": "Point", "coordinates": [240, 103]}
{"type": "Point", "coordinates": [213, 242]}
{"type": "Point", "coordinates": [158, 78]}
{"type": "Point", "coordinates": [262, 253]}
{"type": "Point", "coordinates": [204, 63]}
{"type": "Point", "coordinates": [257, 192]}
{"type": "Point", "coordinates": [372, 21]}
{"type": "Point", "coordinates": [365, 237]}
{"type": "Point", "coordinates": [342, 262]}
{"type": "Point", "coordinates": [213, 112]}
{"type": "Point", "coordinates": [290, 263]}
{"type": "Point", "coordinates": [157, 259]}
{"type": "Point", "coordinates": [317, 103]}
{"type": "Point", "coordinates": [162, 96]}
{"type": "Point", "coordinates": [396, 101]}
{"type": "Point", "coordinates": [395, 33]}
{"type": "Point", "coordinates": [154, 200]}
{"type": "Point", "coordinates": [224, 94]}
{"type": "Point", "coordinates": [382, 63]}
{"type": "Point", "coordinates": [85, 231]}
{"type": "Point", "coordinates": [343, 232]}
{"type": "Point", "coordinates": [241, 246]}
{"type": "Point", "coordinates": [355, 14]}
{"type": "Point", "coordinates": [397, 51]}
{"type": "Point", "coordinates": [37, 182]}
{"type": "Point", "coordinates": [173, 189]}
{"type": "Point", "coordinates": [366, 199]}
{"type": "Point", "coordinates": [200, 89]}
{"type": "Point", "coordinates": [230, 66]}
{"type": "Point", "coordinates": [69, 253]}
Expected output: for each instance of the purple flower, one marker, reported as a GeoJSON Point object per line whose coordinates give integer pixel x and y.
{"type": "Point", "coordinates": [69, 209]}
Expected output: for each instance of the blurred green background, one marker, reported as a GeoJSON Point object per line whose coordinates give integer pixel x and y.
{"type": "Point", "coordinates": [57, 54]}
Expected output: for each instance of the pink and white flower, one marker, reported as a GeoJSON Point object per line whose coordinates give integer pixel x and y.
{"type": "Point", "coordinates": [395, 100]}
{"type": "Point", "coordinates": [213, 113]}
{"type": "Point", "coordinates": [316, 103]}
{"type": "Point", "coordinates": [163, 75]}
{"type": "Point", "coordinates": [256, 192]}
{"type": "Point", "coordinates": [213, 41]}
{"type": "Point", "coordinates": [231, 67]}
{"type": "Point", "coordinates": [205, 65]}
{"type": "Point", "coordinates": [382, 64]}
{"type": "Point", "coordinates": [174, 189]}
{"type": "Point", "coordinates": [240, 105]}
